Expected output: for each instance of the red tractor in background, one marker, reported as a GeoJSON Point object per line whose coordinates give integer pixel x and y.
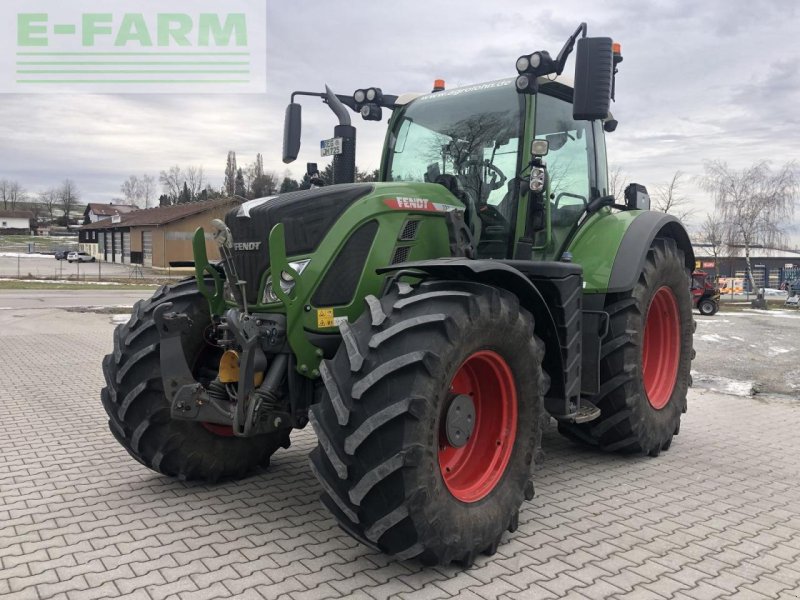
{"type": "Point", "coordinates": [705, 293]}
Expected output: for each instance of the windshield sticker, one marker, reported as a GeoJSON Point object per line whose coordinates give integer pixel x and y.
{"type": "Point", "coordinates": [480, 87]}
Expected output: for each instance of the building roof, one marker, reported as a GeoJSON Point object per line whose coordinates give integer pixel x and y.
{"type": "Point", "coordinates": [161, 215]}
{"type": "Point", "coordinates": [705, 251]}
{"type": "Point", "coordinates": [16, 214]}
{"type": "Point", "coordinates": [110, 209]}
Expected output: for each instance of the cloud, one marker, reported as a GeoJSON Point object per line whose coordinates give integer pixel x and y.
{"type": "Point", "coordinates": [700, 81]}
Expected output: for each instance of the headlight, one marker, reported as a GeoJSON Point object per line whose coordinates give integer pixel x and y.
{"type": "Point", "coordinates": [286, 282]}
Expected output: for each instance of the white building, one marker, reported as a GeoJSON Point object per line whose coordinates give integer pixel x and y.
{"type": "Point", "coordinates": [15, 221]}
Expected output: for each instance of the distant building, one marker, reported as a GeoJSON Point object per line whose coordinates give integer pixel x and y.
{"type": "Point", "coordinates": [97, 212]}
{"type": "Point", "coordinates": [16, 222]}
{"type": "Point", "coordinates": [155, 237]}
{"type": "Point", "coordinates": [772, 267]}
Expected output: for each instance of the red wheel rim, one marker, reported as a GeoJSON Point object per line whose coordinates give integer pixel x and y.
{"type": "Point", "coordinates": [472, 471]}
{"type": "Point", "coordinates": [661, 348]}
{"type": "Point", "coordinates": [221, 430]}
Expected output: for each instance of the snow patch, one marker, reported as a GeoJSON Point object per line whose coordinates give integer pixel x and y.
{"type": "Point", "coordinates": [712, 337]}
{"type": "Point", "coordinates": [74, 281]}
{"type": "Point", "coordinates": [776, 350]}
{"type": "Point", "coordinates": [724, 385]}
{"type": "Point", "coordinates": [23, 255]}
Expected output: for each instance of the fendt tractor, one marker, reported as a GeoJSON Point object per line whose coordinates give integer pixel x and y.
{"type": "Point", "coordinates": [430, 324]}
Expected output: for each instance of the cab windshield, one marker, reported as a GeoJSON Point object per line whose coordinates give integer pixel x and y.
{"type": "Point", "coordinates": [466, 137]}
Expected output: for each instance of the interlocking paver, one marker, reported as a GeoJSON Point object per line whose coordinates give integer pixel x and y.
{"type": "Point", "coordinates": [80, 519]}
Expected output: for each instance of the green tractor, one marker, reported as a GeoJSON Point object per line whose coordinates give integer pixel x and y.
{"type": "Point", "coordinates": [427, 325]}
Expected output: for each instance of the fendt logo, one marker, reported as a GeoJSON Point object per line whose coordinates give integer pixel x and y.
{"type": "Point", "coordinates": [246, 245]}
{"type": "Point", "coordinates": [125, 46]}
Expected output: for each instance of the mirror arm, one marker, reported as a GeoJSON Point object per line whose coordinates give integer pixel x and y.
{"type": "Point", "coordinates": [561, 60]}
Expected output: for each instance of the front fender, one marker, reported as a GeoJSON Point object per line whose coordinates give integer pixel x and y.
{"type": "Point", "coordinates": [560, 330]}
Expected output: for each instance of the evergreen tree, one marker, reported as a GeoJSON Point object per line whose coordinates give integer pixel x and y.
{"type": "Point", "coordinates": [327, 174]}
{"type": "Point", "coordinates": [289, 185]}
{"type": "Point", "coordinates": [164, 200]}
{"type": "Point", "coordinates": [240, 189]}
{"type": "Point", "coordinates": [230, 174]}
{"type": "Point", "coordinates": [305, 183]}
{"type": "Point", "coordinates": [186, 195]}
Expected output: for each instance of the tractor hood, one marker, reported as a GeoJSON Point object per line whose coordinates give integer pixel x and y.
{"type": "Point", "coordinates": [307, 216]}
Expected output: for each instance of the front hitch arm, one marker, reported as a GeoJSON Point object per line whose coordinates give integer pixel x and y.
{"type": "Point", "coordinates": [187, 397]}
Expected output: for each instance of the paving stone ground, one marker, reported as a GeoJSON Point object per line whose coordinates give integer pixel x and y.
{"type": "Point", "coordinates": [718, 516]}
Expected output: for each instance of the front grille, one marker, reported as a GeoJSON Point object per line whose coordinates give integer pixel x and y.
{"type": "Point", "coordinates": [307, 216]}
{"type": "Point", "coordinates": [401, 254]}
{"type": "Point", "coordinates": [339, 284]}
{"type": "Point", "coordinates": [409, 231]}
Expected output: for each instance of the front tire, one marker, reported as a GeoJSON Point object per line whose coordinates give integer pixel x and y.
{"type": "Point", "coordinates": [707, 307]}
{"type": "Point", "coordinates": [138, 411]}
{"type": "Point", "coordinates": [645, 360]}
{"type": "Point", "coordinates": [394, 470]}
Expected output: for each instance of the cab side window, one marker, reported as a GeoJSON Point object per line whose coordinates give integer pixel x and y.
{"type": "Point", "coordinates": [570, 160]}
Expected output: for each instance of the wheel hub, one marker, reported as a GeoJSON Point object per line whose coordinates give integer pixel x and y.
{"type": "Point", "coordinates": [460, 420]}
{"type": "Point", "coordinates": [474, 452]}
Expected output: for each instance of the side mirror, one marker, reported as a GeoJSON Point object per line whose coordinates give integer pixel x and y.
{"type": "Point", "coordinates": [636, 197]}
{"type": "Point", "coordinates": [311, 169]}
{"type": "Point", "coordinates": [594, 75]}
{"type": "Point", "coordinates": [291, 132]}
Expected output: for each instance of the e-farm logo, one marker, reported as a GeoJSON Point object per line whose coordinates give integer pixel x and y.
{"type": "Point", "coordinates": [128, 46]}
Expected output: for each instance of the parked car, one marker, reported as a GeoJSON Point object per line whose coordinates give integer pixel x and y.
{"type": "Point", "coordinates": [80, 257]}
{"type": "Point", "coordinates": [61, 254]}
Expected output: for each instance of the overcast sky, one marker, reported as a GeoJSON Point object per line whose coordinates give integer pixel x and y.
{"type": "Point", "coordinates": [700, 81]}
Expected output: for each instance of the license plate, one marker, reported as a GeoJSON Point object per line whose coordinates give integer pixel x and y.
{"type": "Point", "coordinates": [331, 147]}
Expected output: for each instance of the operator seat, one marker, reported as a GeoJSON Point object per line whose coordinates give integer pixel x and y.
{"type": "Point", "coordinates": [454, 186]}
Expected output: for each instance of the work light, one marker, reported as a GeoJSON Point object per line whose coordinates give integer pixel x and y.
{"type": "Point", "coordinates": [359, 96]}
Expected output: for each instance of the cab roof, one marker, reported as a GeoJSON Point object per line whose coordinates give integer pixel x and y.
{"type": "Point", "coordinates": [563, 81]}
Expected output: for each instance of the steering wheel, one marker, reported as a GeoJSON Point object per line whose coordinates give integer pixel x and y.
{"type": "Point", "coordinates": [494, 184]}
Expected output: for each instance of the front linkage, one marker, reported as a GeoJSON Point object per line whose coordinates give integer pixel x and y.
{"type": "Point", "coordinates": [259, 348]}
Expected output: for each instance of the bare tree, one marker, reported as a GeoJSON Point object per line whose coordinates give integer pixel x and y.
{"type": "Point", "coordinates": [138, 191]}
{"type": "Point", "coordinates": [16, 193]}
{"type": "Point", "coordinates": [131, 189]}
{"type": "Point", "coordinates": [755, 203]}
{"type": "Point", "coordinates": [11, 192]}
{"type": "Point", "coordinates": [617, 182]}
{"type": "Point", "coordinates": [195, 180]}
{"type": "Point", "coordinates": [35, 207]}
{"type": "Point", "coordinates": [147, 189]}
{"type": "Point", "coordinates": [712, 232]}
{"type": "Point", "coordinates": [49, 200]}
{"type": "Point", "coordinates": [4, 192]}
{"type": "Point", "coordinates": [670, 200]}
{"type": "Point", "coordinates": [172, 182]}
{"type": "Point", "coordinates": [68, 197]}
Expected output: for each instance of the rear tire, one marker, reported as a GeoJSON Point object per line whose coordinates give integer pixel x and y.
{"type": "Point", "coordinates": [389, 472]}
{"type": "Point", "coordinates": [644, 378]}
{"type": "Point", "coordinates": [138, 411]}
